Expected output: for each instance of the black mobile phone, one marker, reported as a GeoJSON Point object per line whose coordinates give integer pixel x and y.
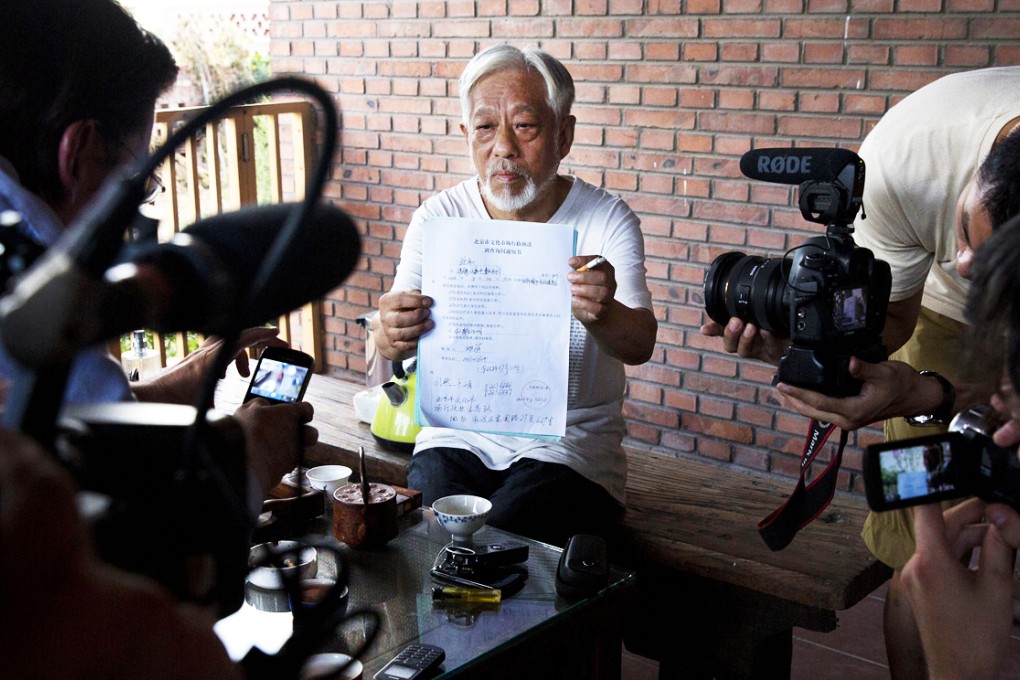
{"type": "Point", "coordinates": [281, 375]}
{"type": "Point", "coordinates": [413, 662]}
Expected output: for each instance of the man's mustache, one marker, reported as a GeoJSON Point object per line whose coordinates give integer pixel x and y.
{"type": "Point", "coordinates": [506, 166]}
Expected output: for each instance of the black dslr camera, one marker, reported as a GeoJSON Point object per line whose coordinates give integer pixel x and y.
{"type": "Point", "coordinates": [827, 296]}
{"type": "Point", "coordinates": [961, 462]}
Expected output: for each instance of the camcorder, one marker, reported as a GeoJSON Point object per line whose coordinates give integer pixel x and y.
{"type": "Point", "coordinates": [961, 462]}
{"type": "Point", "coordinates": [828, 296]}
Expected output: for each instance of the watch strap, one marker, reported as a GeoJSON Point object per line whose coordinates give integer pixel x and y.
{"type": "Point", "coordinates": [944, 412]}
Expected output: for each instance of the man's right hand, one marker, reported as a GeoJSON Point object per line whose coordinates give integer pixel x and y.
{"type": "Point", "coordinates": [403, 318]}
{"type": "Point", "coordinates": [272, 435]}
{"type": "Point", "coordinates": [748, 341]}
{"type": "Point", "coordinates": [964, 616]}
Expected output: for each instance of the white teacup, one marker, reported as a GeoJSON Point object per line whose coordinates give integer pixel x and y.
{"type": "Point", "coordinates": [323, 666]}
{"type": "Point", "coordinates": [329, 478]}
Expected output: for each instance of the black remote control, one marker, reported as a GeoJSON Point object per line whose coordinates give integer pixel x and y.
{"type": "Point", "coordinates": [413, 662]}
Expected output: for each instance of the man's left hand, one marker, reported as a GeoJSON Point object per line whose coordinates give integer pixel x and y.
{"type": "Point", "coordinates": [179, 384]}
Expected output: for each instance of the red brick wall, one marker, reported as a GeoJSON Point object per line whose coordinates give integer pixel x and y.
{"type": "Point", "coordinates": [669, 95]}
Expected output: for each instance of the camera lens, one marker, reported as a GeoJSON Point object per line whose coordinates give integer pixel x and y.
{"type": "Point", "coordinates": [750, 288]}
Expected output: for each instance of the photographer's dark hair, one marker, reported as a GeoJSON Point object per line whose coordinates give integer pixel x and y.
{"type": "Point", "coordinates": [993, 306]}
{"type": "Point", "coordinates": [999, 178]}
{"type": "Point", "coordinates": [63, 61]}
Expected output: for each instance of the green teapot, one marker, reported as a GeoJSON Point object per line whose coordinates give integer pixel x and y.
{"type": "Point", "coordinates": [393, 425]}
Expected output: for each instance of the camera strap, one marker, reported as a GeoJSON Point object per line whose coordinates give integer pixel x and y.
{"type": "Point", "coordinates": [808, 499]}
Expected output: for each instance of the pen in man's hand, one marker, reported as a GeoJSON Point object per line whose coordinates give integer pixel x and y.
{"type": "Point", "coordinates": [591, 264]}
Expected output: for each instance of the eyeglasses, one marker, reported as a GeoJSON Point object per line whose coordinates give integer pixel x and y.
{"type": "Point", "coordinates": [153, 184]}
{"type": "Point", "coordinates": [153, 188]}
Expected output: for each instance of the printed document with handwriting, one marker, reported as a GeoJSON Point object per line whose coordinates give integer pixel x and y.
{"type": "Point", "coordinates": [498, 356]}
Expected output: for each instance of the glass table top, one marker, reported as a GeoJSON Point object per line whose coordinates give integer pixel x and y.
{"type": "Point", "coordinates": [395, 582]}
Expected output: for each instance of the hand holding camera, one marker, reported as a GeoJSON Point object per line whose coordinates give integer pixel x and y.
{"type": "Point", "coordinates": [964, 615]}
{"type": "Point", "coordinates": [888, 389]}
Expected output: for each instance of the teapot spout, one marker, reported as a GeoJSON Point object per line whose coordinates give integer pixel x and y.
{"type": "Point", "coordinates": [395, 392]}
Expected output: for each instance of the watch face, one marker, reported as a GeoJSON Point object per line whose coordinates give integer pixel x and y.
{"type": "Point", "coordinates": [923, 421]}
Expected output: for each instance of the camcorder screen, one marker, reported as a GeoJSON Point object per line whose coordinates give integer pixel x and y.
{"type": "Point", "coordinates": [850, 308]}
{"type": "Point", "coordinates": [915, 471]}
{"type": "Point", "coordinates": [278, 380]}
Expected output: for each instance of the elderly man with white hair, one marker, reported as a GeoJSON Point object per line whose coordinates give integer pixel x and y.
{"type": "Point", "coordinates": [516, 106]}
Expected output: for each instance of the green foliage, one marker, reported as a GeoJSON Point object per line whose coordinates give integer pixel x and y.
{"type": "Point", "coordinates": [217, 56]}
{"type": "Point", "coordinates": [170, 340]}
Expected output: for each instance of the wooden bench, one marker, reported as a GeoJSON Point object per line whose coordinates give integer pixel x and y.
{"type": "Point", "coordinates": [690, 531]}
{"type": "Point", "coordinates": [713, 599]}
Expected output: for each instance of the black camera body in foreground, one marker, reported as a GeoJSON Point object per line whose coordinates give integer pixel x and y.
{"type": "Point", "coordinates": [961, 462]}
{"type": "Point", "coordinates": [827, 296]}
{"type": "Point", "coordinates": [189, 531]}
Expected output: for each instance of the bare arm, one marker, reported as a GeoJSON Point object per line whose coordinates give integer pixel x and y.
{"type": "Point", "coordinates": [900, 319]}
{"type": "Point", "coordinates": [622, 332]}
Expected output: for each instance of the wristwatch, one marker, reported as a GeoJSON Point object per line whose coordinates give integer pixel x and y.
{"type": "Point", "coordinates": [944, 413]}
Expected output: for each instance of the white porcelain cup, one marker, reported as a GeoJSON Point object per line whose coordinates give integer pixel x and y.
{"type": "Point", "coordinates": [327, 666]}
{"type": "Point", "coordinates": [329, 478]}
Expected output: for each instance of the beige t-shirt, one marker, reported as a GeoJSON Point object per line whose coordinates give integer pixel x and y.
{"type": "Point", "coordinates": [917, 160]}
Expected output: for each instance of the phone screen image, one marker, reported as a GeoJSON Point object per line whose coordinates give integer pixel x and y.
{"type": "Point", "coordinates": [921, 471]}
{"type": "Point", "coordinates": [278, 381]}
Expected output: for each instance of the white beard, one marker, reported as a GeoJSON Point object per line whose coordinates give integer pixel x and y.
{"type": "Point", "coordinates": [510, 203]}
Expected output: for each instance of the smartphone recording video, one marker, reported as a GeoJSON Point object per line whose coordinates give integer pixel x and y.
{"type": "Point", "coordinates": [282, 375]}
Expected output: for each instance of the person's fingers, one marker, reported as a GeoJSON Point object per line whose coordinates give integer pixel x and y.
{"type": "Point", "coordinates": [242, 364]}
{"type": "Point", "coordinates": [971, 511]}
{"type": "Point", "coordinates": [996, 558]}
{"type": "Point", "coordinates": [930, 529]}
{"type": "Point", "coordinates": [712, 329]}
{"type": "Point", "coordinates": [1008, 434]}
{"type": "Point", "coordinates": [968, 538]}
{"type": "Point", "coordinates": [1006, 521]}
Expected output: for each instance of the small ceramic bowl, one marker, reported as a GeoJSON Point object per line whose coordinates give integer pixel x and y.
{"type": "Point", "coordinates": [328, 665]}
{"type": "Point", "coordinates": [462, 514]}
{"type": "Point", "coordinates": [300, 563]}
{"type": "Point", "coordinates": [329, 478]}
{"type": "Point", "coordinates": [315, 590]}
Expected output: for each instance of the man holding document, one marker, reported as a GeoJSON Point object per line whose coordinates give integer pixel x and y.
{"type": "Point", "coordinates": [517, 123]}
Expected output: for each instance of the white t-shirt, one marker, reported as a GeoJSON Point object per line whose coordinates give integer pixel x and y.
{"type": "Point", "coordinates": [605, 226]}
{"type": "Point", "coordinates": [917, 160]}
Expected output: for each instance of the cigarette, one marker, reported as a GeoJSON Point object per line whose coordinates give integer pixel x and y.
{"type": "Point", "coordinates": [591, 264]}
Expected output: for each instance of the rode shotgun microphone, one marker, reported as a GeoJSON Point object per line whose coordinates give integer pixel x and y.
{"type": "Point", "coordinates": [795, 166]}
{"type": "Point", "coordinates": [831, 181]}
{"type": "Point", "coordinates": [214, 262]}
